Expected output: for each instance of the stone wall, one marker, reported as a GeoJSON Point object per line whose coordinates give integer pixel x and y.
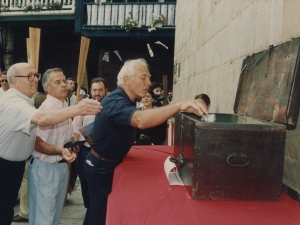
{"type": "Point", "coordinates": [212, 39]}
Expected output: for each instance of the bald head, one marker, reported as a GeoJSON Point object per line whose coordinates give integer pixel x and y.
{"type": "Point", "coordinates": [21, 83]}
{"type": "Point", "coordinates": [15, 70]}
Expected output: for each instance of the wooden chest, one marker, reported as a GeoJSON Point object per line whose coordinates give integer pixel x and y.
{"type": "Point", "coordinates": [240, 156]}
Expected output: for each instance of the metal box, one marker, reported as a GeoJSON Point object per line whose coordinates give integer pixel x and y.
{"type": "Point", "coordinates": [240, 156]}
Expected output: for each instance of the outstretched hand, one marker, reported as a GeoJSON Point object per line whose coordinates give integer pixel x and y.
{"type": "Point", "coordinates": [68, 156]}
{"type": "Point", "coordinates": [194, 106]}
{"type": "Point", "coordinates": [89, 107]}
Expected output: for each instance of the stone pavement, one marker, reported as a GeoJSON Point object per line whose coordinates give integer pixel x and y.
{"type": "Point", "coordinates": [73, 213]}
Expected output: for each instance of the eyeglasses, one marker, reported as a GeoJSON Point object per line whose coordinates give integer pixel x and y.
{"type": "Point", "coordinates": [31, 76]}
{"type": "Point", "coordinates": [4, 80]}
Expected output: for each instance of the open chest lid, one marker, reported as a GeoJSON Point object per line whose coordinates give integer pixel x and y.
{"type": "Point", "coordinates": [269, 84]}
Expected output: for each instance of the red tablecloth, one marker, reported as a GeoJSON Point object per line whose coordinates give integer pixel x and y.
{"type": "Point", "coordinates": [141, 195]}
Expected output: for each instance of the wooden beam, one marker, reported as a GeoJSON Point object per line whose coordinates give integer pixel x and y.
{"type": "Point", "coordinates": [84, 47]}
{"type": "Point", "coordinates": [165, 86]}
{"type": "Point", "coordinates": [34, 39]}
{"type": "Point", "coordinates": [28, 51]}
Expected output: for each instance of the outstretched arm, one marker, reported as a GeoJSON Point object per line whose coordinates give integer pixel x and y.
{"type": "Point", "coordinates": [55, 116]}
{"type": "Point", "coordinates": [143, 119]}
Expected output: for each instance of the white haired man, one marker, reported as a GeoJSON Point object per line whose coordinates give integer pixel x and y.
{"type": "Point", "coordinates": [18, 130]}
{"type": "Point", "coordinates": [114, 132]}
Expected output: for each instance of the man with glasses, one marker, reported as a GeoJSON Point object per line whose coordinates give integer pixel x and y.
{"type": "Point", "coordinates": [4, 82]}
{"type": "Point", "coordinates": [18, 130]}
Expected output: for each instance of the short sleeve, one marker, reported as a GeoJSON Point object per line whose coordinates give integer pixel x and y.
{"type": "Point", "coordinates": [121, 113]}
{"type": "Point", "coordinates": [21, 113]}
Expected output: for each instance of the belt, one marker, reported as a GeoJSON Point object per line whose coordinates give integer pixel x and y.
{"type": "Point", "coordinates": [103, 158]}
{"type": "Point", "coordinates": [143, 136]}
{"type": "Point", "coordinates": [60, 161]}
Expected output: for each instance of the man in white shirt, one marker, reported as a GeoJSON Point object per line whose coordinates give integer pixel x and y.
{"type": "Point", "coordinates": [98, 92]}
{"type": "Point", "coordinates": [48, 173]}
{"type": "Point", "coordinates": [18, 122]}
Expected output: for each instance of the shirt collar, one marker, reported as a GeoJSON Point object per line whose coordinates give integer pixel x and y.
{"type": "Point", "coordinates": [57, 101]}
{"type": "Point", "coordinates": [21, 95]}
{"type": "Point", "coordinates": [123, 93]}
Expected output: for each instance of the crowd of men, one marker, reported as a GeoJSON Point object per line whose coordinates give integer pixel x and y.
{"type": "Point", "coordinates": [41, 134]}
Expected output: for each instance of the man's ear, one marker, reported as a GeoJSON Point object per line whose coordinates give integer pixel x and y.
{"type": "Point", "coordinates": [126, 80]}
{"type": "Point", "coordinates": [14, 81]}
{"type": "Point", "coordinates": [46, 88]}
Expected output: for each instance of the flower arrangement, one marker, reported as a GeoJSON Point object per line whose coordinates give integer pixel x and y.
{"type": "Point", "coordinates": [4, 8]}
{"type": "Point", "coordinates": [129, 23]}
{"type": "Point", "coordinates": [33, 7]}
{"type": "Point", "coordinates": [157, 21]}
{"type": "Point", "coordinates": [57, 5]}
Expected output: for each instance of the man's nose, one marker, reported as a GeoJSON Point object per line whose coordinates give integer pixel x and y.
{"type": "Point", "coordinates": [149, 82]}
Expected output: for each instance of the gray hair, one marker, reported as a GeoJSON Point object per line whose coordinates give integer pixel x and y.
{"type": "Point", "coordinates": [12, 71]}
{"type": "Point", "coordinates": [46, 77]}
{"type": "Point", "coordinates": [129, 69]}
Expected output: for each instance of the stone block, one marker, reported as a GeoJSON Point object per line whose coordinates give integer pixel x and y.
{"type": "Point", "coordinates": [291, 20]}
{"type": "Point", "coordinates": [269, 16]}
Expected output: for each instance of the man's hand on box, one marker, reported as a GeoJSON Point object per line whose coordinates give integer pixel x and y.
{"type": "Point", "coordinates": [193, 106]}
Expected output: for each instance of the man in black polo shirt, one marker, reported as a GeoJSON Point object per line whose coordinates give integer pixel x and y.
{"type": "Point", "coordinates": [114, 132]}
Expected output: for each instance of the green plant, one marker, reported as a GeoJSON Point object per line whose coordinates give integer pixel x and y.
{"type": "Point", "coordinates": [57, 5]}
{"type": "Point", "coordinates": [33, 7]}
{"type": "Point", "coordinates": [36, 7]}
{"type": "Point", "coordinates": [129, 23]}
{"type": "Point", "coordinates": [68, 3]}
{"type": "Point", "coordinates": [156, 19]}
{"type": "Point", "coordinates": [4, 8]}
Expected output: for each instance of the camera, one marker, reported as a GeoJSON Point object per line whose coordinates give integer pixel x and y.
{"type": "Point", "coordinates": [157, 100]}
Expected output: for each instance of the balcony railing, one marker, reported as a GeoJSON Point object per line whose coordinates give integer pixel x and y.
{"type": "Point", "coordinates": [36, 7]}
{"type": "Point", "coordinates": [114, 14]}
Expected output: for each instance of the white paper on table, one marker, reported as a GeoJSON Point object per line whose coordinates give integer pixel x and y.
{"type": "Point", "coordinates": [172, 173]}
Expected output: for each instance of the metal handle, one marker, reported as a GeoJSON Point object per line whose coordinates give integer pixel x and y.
{"type": "Point", "coordinates": [242, 155]}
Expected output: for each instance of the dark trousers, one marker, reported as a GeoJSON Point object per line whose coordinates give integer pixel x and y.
{"type": "Point", "coordinates": [74, 173]}
{"type": "Point", "coordinates": [84, 188]}
{"type": "Point", "coordinates": [11, 174]}
{"type": "Point", "coordinates": [99, 176]}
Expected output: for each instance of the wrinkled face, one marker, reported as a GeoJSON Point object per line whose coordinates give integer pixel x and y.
{"type": "Point", "coordinates": [138, 85]}
{"type": "Point", "coordinates": [71, 85]}
{"type": "Point", "coordinates": [98, 91]}
{"type": "Point", "coordinates": [158, 91]}
{"type": "Point", "coordinates": [22, 84]}
{"type": "Point", "coordinates": [4, 82]}
{"type": "Point", "coordinates": [147, 100]}
{"type": "Point", "coordinates": [57, 86]}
